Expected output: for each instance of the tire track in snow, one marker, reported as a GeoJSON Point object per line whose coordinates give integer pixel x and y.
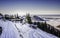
{"type": "Point", "coordinates": [37, 35]}
{"type": "Point", "coordinates": [33, 34]}
{"type": "Point", "coordinates": [19, 31]}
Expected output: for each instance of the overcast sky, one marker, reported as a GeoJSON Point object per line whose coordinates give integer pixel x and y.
{"type": "Point", "coordinates": [30, 6]}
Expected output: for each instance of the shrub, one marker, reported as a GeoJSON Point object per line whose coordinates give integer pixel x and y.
{"type": "Point", "coordinates": [6, 16]}
{"type": "Point", "coordinates": [29, 19]}
{"type": "Point", "coordinates": [42, 25]}
{"type": "Point", "coordinates": [0, 30]}
{"type": "Point", "coordinates": [35, 23]}
{"type": "Point", "coordinates": [1, 15]}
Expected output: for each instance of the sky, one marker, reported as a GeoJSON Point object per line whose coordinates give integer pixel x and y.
{"type": "Point", "coordinates": [22, 7]}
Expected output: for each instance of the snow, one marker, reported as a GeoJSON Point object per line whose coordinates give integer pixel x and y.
{"type": "Point", "coordinates": [54, 23]}
{"type": "Point", "coordinates": [19, 30]}
{"type": "Point", "coordinates": [28, 32]}
{"type": "Point", "coordinates": [9, 31]}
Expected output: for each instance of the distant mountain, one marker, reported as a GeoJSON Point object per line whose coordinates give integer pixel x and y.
{"type": "Point", "coordinates": [38, 18]}
{"type": "Point", "coordinates": [50, 15]}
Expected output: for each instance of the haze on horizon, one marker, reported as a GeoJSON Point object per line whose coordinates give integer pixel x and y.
{"type": "Point", "coordinates": [39, 7]}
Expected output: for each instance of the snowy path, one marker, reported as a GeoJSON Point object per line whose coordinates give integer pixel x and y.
{"type": "Point", "coordinates": [17, 30]}
{"type": "Point", "coordinates": [9, 31]}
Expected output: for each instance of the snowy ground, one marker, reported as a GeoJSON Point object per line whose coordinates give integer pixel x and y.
{"type": "Point", "coordinates": [17, 30]}
{"type": "Point", "coordinates": [9, 30]}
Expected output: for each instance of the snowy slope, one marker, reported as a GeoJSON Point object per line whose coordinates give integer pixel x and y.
{"type": "Point", "coordinates": [19, 30]}
{"type": "Point", "coordinates": [28, 32]}
{"type": "Point", "coordinates": [9, 31]}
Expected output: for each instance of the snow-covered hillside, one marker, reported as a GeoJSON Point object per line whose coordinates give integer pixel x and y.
{"type": "Point", "coordinates": [8, 30]}
{"type": "Point", "coordinates": [19, 30]}
{"type": "Point", "coordinates": [54, 23]}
